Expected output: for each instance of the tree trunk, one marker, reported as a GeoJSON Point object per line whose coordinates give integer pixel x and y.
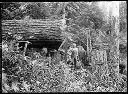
{"type": "Point", "coordinates": [114, 50]}
{"type": "Point", "coordinates": [115, 39]}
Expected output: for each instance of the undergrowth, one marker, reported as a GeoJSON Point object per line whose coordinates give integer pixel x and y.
{"type": "Point", "coordinates": [22, 74]}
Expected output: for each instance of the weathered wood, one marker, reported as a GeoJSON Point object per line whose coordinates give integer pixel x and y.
{"type": "Point", "coordinates": [48, 29]}
{"type": "Point", "coordinates": [100, 66]}
{"type": "Point", "coordinates": [25, 48]}
{"type": "Point", "coordinates": [60, 48]}
{"type": "Point", "coordinates": [30, 24]}
{"type": "Point", "coordinates": [99, 56]}
{"type": "Point", "coordinates": [65, 46]}
{"type": "Point", "coordinates": [89, 45]}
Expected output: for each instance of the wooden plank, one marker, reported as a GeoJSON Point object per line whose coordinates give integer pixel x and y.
{"type": "Point", "coordinates": [60, 48]}
{"type": "Point", "coordinates": [99, 57]}
{"type": "Point", "coordinates": [65, 45]}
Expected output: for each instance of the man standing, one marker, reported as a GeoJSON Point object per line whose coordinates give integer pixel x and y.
{"type": "Point", "coordinates": [73, 54]}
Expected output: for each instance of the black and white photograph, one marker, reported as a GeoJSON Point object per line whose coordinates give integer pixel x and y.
{"type": "Point", "coordinates": [63, 47]}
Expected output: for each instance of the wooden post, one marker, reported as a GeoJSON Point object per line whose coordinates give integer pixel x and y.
{"type": "Point", "coordinates": [11, 47]}
{"type": "Point", "coordinates": [49, 58]}
{"type": "Point", "coordinates": [89, 48]}
{"type": "Point", "coordinates": [25, 48]}
{"type": "Point", "coordinates": [117, 43]}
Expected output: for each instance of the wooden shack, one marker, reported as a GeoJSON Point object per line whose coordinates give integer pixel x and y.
{"type": "Point", "coordinates": [35, 31]}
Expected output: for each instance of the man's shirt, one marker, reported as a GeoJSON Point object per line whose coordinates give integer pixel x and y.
{"type": "Point", "coordinates": [73, 52]}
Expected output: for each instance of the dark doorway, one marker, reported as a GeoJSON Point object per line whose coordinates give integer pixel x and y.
{"type": "Point", "coordinates": [49, 44]}
{"type": "Point", "coordinates": [22, 45]}
{"type": "Point", "coordinates": [39, 44]}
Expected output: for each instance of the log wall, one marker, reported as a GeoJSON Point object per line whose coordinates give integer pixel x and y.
{"type": "Point", "coordinates": [47, 28]}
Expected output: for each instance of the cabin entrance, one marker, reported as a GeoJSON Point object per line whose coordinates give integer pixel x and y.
{"type": "Point", "coordinates": [38, 45]}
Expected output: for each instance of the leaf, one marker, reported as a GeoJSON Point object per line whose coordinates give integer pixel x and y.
{"type": "Point", "coordinates": [4, 91]}
{"type": "Point", "coordinates": [38, 82]}
{"type": "Point", "coordinates": [4, 78]}
{"type": "Point", "coordinates": [7, 87]}
{"type": "Point", "coordinates": [26, 86]}
{"type": "Point", "coordinates": [15, 87]}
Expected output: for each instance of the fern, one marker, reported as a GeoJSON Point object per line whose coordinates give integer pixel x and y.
{"type": "Point", "coordinates": [26, 86]}
{"type": "Point", "coordinates": [15, 86]}
{"type": "Point", "coordinates": [5, 86]}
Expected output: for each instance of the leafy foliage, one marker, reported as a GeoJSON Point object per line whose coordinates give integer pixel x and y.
{"type": "Point", "coordinates": [43, 75]}
{"type": "Point", "coordinates": [79, 12]}
{"type": "Point", "coordinates": [23, 74]}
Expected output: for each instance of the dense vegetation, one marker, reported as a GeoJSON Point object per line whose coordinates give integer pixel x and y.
{"type": "Point", "coordinates": [45, 74]}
